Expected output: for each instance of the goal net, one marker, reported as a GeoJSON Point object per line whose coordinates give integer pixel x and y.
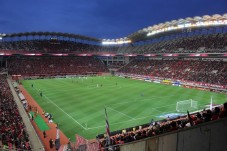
{"type": "Point", "coordinates": [186, 105]}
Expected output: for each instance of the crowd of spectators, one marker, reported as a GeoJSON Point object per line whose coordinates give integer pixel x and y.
{"type": "Point", "coordinates": [160, 127]}
{"type": "Point", "coordinates": [115, 65]}
{"type": "Point", "coordinates": [205, 71]}
{"type": "Point", "coordinates": [212, 43]}
{"type": "Point", "coordinates": [12, 129]}
{"type": "Point", "coordinates": [195, 44]}
{"type": "Point", "coordinates": [55, 66]}
{"type": "Point", "coordinates": [213, 72]}
{"type": "Point", "coordinates": [48, 46]}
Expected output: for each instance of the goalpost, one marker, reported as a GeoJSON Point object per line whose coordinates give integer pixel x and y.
{"type": "Point", "coordinates": [186, 105]}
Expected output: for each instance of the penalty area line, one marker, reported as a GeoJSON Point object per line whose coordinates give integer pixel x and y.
{"type": "Point", "coordinates": [121, 113]}
{"type": "Point", "coordinates": [121, 122]}
{"type": "Point", "coordinates": [139, 118]}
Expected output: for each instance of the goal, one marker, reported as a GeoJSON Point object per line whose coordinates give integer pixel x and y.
{"type": "Point", "coordinates": [186, 105]}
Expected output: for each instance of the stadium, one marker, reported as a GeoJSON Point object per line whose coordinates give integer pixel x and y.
{"type": "Point", "coordinates": [151, 90]}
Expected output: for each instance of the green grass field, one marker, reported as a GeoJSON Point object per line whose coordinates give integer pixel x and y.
{"type": "Point", "coordinates": [78, 104]}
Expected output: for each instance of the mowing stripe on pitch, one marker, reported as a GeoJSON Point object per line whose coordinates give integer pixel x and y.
{"type": "Point", "coordinates": [65, 113]}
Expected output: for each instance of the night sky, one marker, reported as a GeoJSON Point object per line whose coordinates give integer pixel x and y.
{"type": "Point", "coordinates": [99, 18]}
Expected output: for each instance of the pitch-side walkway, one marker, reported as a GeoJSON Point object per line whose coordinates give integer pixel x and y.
{"type": "Point", "coordinates": [34, 140]}
{"type": "Point", "coordinates": [50, 134]}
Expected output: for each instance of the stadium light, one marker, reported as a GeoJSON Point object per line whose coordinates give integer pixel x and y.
{"type": "Point", "coordinates": [116, 41]}
{"type": "Point", "coordinates": [2, 35]}
{"type": "Point", "coordinates": [187, 24]}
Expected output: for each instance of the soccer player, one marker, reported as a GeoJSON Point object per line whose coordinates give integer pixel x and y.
{"type": "Point", "coordinates": [141, 94]}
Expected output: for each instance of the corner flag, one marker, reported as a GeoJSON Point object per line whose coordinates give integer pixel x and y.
{"type": "Point", "coordinates": [107, 128]}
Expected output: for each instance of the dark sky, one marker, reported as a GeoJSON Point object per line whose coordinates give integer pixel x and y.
{"type": "Point", "coordinates": [99, 18]}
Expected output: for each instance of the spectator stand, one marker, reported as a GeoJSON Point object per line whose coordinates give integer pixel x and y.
{"type": "Point", "coordinates": [13, 130]}
{"type": "Point", "coordinates": [166, 126]}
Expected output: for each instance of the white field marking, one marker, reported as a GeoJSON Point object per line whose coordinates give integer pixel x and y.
{"type": "Point", "coordinates": [47, 102]}
{"type": "Point", "coordinates": [139, 100]}
{"type": "Point", "coordinates": [120, 113]}
{"type": "Point", "coordinates": [95, 86]}
{"type": "Point", "coordinates": [163, 106]}
{"type": "Point", "coordinates": [65, 113]}
{"type": "Point", "coordinates": [155, 115]}
{"type": "Point", "coordinates": [135, 100]}
{"type": "Point", "coordinates": [145, 100]}
{"type": "Point", "coordinates": [121, 122]}
{"type": "Point", "coordinates": [159, 107]}
{"type": "Point", "coordinates": [37, 91]}
{"type": "Point", "coordinates": [81, 88]}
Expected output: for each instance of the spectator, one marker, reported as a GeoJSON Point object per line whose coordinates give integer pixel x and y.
{"type": "Point", "coordinates": [216, 113]}
{"type": "Point", "coordinates": [40, 66]}
{"type": "Point", "coordinates": [224, 111]}
{"type": "Point", "coordinates": [13, 134]}
{"type": "Point", "coordinates": [51, 142]}
{"type": "Point", "coordinates": [159, 128]}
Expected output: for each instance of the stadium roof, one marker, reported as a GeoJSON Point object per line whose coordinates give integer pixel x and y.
{"type": "Point", "coordinates": [53, 34]}
{"type": "Point", "coordinates": [197, 22]}
{"type": "Point", "coordinates": [189, 22]}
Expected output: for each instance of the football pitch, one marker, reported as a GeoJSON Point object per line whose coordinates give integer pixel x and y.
{"type": "Point", "coordinates": [78, 103]}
